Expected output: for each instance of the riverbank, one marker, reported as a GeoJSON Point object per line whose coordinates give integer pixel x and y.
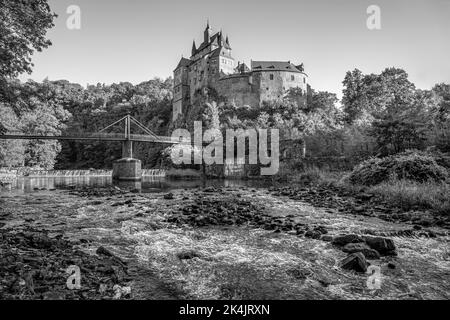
{"type": "Point", "coordinates": [218, 243]}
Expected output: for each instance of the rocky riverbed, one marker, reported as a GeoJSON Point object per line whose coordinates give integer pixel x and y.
{"type": "Point", "coordinates": [219, 243]}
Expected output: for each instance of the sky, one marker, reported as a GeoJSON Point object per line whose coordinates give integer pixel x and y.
{"type": "Point", "coordinates": [137, 40]}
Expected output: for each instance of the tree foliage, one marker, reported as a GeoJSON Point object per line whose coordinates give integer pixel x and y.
{"type": "Point", "coordinates": [23, 26]}
{"type": "Point", "coordinates": [393, 111]}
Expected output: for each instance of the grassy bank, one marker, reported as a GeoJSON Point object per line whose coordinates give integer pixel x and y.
{"type": "Point", "coordinates": [410, 194]}
{"type": "Point", "coordinates": [402, 193]}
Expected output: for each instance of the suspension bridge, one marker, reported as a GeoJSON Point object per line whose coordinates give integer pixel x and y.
{"type": "Point", "coordinates": [126, 168]}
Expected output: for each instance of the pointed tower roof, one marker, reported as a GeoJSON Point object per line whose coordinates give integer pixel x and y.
{"type": "Point", "coordinates": [194, 49]}
{"type": "Point", "coordinates": [227, 43]}
{"type": "Point", "coordinates": [183, 63]}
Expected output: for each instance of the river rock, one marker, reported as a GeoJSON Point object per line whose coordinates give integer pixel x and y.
{"type": "Point", "coordinates": [168, 196]}
{"type": "Point", "coordinates": [363, 248]}
{"type": "Point", "coordinates": [391, 265]}
{"type": "Point", "coordinates": [209, 189]}
{"type": "Point", "coordinates": [314, 234]}
{"type": "Point", "coordinates": [355, 261]}
{"type": "Point", "coordinates": [187, 254]}
{"type": "Point", "coordinates": [326, 237]}
{"type": "Point", "coordinates": [342, 240]}
{"type": "Point", "coordinates": [384, 246]}
{"type": "Point", "coordinates": [321, 229]}
{"type": "Point", "coordinates": [365, 196]}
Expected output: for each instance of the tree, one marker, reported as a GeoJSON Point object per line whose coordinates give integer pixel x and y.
{"type": "Point", "coordinates": [23, 26]}
{"type": "Point", "coordinates": [353, 95]}
{"type": "Point", "coordinates": [11, 151]}
{"type": "Point", "coordinates": [440, 113]}
{"type": "Point", "coordinates": [322, 100]}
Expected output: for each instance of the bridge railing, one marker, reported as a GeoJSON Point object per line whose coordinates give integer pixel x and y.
{"type": "Point", "coordinates": [68, 134]}
{"type": "Point", "coordinates": [94, 136]}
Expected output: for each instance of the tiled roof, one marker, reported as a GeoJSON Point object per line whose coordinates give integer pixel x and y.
{"type": "Point", "coordinates": [218, 52]}
{"type": "Point", "coordinates": [242, 68]}
{"type": "Point", "coordinates": [215, 53]}
{"type": "Point", "coordinates": [215, 37]}
{"type": "Point", "coordinates": [183, 63]}
{"type": "Point", "coordinates": [274, 66]}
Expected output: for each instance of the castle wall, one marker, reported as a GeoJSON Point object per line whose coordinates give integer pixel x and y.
{"type": "Point", "coordinates": [238, 88]}
{"type": "Point", "coordinates": [177, 109]}
{"type": "Point", "coordinates": [272, 85]}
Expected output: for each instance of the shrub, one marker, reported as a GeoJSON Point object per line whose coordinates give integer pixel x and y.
{"type": "Point", "coordinates": [410, 165]}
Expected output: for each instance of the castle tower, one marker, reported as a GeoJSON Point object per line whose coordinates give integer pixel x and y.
{"type": "Point", "coordinates": [207, 34]}
{"type": "Point", "coordinates": [210, 60]}
{"type": "Point", "coordinates": [180, 86]}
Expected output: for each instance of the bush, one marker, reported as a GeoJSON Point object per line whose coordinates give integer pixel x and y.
{"type": "Point", "coordinates": [409, 165]}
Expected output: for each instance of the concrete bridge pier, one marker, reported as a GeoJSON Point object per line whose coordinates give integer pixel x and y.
{"type": "Point", "coordinates": [127, 168]}
{"type": "Point", "coordinates": [127, 149]}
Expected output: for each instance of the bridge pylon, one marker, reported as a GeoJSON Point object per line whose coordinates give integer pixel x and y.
{"type": "Point", "coordinates": [128, 168]}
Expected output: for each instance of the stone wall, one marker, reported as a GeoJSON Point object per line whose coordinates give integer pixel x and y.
{"type": "Point", "coordinates": [272, 85]}
{"type": "Point", "coordinates": [238, 89]}
{"type": "Point", "coordinates": [255, 87]}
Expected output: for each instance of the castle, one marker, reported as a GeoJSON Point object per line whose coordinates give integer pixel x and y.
{"type": "Point", "coordinates": [211, 65]}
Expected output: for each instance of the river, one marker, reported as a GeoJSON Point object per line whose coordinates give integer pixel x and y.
{"type": "Point", "coordinates": [147, 184]}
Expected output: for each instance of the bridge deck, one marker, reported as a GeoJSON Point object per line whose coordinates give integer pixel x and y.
{"type": "Point", "coordinates": [94, 136]}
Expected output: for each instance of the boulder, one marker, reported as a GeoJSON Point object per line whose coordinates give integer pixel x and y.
{"type": "Point", "coordinates": [355, 261]}
{"type": "Point", "coordinates": [326, 238]}
{"type": "Point", "coordinates": [103, 251]}
{"type": "Point", "coordinates": [342, 240]}
{"type": "Point", "coordinates": [314, 234]}
{"type": "Point", "coordinates": [321, 229]}
{"type": "Point", "coordinates": [384, 246]}
{"type": "Point", "coordinates": [363, 248]}
{"type": "Point", "coordinates": [187, 254]}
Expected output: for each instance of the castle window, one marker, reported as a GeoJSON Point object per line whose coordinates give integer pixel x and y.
{"type": "Point", "coordinates": [292, 78]}
{"type": "Point", "coordinates": [271, 76]}
{"type": "Point", "coordinates": [304, 80]}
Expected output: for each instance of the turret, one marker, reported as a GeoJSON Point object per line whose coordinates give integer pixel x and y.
{"type": "Point", "coordinates": [194, 49]}
{"type": "Point", "coordinates": [207, 34]}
